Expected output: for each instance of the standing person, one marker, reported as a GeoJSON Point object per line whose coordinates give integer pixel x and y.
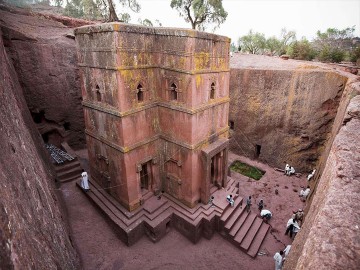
{"type": "Point", "coordinates": [290, 226]}
{"type": "Point", "coordinates": [261, 205]}
{"type": "Point", "coordinates": [299, 215]}
{"type": "Point", "coordinates": [287, 169]}
{"type": "Point", "coordinates": [296, 228]}
{"type": "Point", "coordinates": [211, 201]}
{"type": "Point", "coordinates": [85, 181]}
{"type": "Point", "coordinates": [278, 260]}
{"type": "Point", "coordinates": [248, 203]}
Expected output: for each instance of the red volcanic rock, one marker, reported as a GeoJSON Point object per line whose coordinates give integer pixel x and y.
{"type": "Point", "coordinates": [43, 53]}
{"type": "Point", "coordinates": [33, 234]}
{"type": "Point", "coordinates": [330, 235]}
{"type": "Point", "coordinates": [282, 112]}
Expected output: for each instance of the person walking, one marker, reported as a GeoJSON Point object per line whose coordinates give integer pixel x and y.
{"type": "Point", "coordinates": [248, 203]}
{"type": "Point", "coordinates": [278, 260]}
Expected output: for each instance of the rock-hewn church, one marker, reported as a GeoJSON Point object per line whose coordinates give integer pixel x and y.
{"type": "Point", "coordinates": [156, 103]}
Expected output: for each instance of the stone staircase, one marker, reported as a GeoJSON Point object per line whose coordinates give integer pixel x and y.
{"type": "Point", "coordinates": [157, 213]}
{"type": "Point", "coordinates": [68, 171]}
{"type": "Point", "coordinates": [244, 229]}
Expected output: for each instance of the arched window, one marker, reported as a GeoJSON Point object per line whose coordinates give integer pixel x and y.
{"type": "Point", "coordinates": [98, 94]}
{"type": "Point", "coordinates": [140, 93]}
{"type": "Point", "coordinates": [212, 91]}
{"type": "Point", "coordinates": [173, 92]}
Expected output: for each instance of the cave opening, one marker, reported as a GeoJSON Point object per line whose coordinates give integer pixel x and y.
{"type": "Point", "coordinates": [257, 150]}
{"type": "Point", "coordinates": [38, 117]}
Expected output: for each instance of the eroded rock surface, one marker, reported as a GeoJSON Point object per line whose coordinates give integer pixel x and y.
{"type": "Point", "coordinates": [43, 53]}
{"type": "Point", "coordinates": [33, 233]}
{"type": "Point", "coordinates": [330, 237]}
{"type": "Point", "coordinates": [282, 111]}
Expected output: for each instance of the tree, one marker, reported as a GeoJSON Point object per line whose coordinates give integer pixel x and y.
{"type": "Point", "coordinates": [273, 46]}
{"type": "Point", "coordinates": [301, 50]}
{"type": "Point", "coordinates": [286, 38]}
{"type": "Point", "coordinates": [200, 13]}
{"type": "Point", "coordinates": [253, 43]}
{"type": "Point", "coordinates": [333, 44]}
{"type": "Point", "coordinates": [145, 22]}
{"type": "Point", "coordinates": [233, 47]}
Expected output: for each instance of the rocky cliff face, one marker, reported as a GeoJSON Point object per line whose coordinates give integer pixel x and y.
{"type": "Point", "coordinates": [33, 233]}
{"type": "Point", "coordinates": [282, 112]}
{"type": "Point", "coordinates": [329, 238]}
{"type": "Point", "coordinates": [43, 53]}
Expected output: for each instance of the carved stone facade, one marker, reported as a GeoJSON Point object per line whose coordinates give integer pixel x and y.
{"type": "Point", "coordinates": [156, 104]}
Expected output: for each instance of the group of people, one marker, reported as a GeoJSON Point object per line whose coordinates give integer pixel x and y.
{"type": "Point", "coordinates": [289, 170]}
{"type": "Point", "coordinates": [294, 223]}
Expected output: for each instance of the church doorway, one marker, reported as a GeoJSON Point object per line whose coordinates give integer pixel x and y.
{"type": "Point", "coordinates": [146, 176]}
{"type": "Point", "coordinates": [217, 170]}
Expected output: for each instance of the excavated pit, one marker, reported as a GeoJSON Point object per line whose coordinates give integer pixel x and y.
{"type": "Point", "coordinates": [281, 111]}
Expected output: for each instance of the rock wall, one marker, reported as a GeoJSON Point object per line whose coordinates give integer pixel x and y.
{"type": "Point", "coordinates": [33, 232]}
{"type": "Point", "coordinates": [282, 114]}
{"type": "Point", "coordinates": [44, 55]}
{"type": "Point", "coordinates": [329, 238]}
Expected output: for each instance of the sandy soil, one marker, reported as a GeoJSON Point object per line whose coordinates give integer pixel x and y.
{"type": "Point", "coordinates": [100, 248]}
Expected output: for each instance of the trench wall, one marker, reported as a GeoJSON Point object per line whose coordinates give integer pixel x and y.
{"type": "Point", "coordinates": [283, 116]}
{"type": "Point", "coordinates": [32, 224]}
{"type": "Point", "coordinates": [329, 238]}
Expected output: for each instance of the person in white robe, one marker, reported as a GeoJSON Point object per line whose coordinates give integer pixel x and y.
{"type": "Point", "coordinates": [278, 260]}
{"type": "Point", "coordinates": [85, 181]}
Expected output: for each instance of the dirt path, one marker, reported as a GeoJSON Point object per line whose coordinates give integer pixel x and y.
{"type": "Point", "coordinates": [100, 248]}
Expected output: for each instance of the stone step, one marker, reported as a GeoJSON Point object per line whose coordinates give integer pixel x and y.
{"type": "Point", "coordinates": [240, 235]}
{"type": "Point", "coordinates": [230, 183]}
{"type": "Point", "coordinates": [229, 210]}
{"type": "Point", "coordinates": [76, 171]}
{"type": "Point", "coordinates": [238, 223]}
{"type": "Point", "coordinates": [234, 217]}
{"type": "Point", "coordinates": [257, 241]}
{"type": "Point", "coordinates": [66, 166]}
{"type": "Point", "coordinates": [147, 195]}
{"type": "Point", "coordinates": [111, 200]}
{"type": "Point", "coordinates": [213, 189]}
{"type": "Point", "coordinates": [97, 198]}
{"type": "Point", "coordinates": [70, 178]}
{"type": "Point", "coordinates": [246, 242]}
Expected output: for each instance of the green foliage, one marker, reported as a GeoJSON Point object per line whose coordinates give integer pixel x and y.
{"type": "Point", "coordinates": [253, 43]}
{"type": "Point", "coordinates": [200, 13]}
{"type": "Point", "coordinates": [301, 50]}
{"type": "Point", "coordinates": [286, 39]}
{"type": "Point", "coordinates": [22, 3]}
{"type": "Point", "coordinates": [145, 22]}
{"type": "Point", "coordinates": [99, 9]}
{"type": "Point", "coordinates": [355, 54]}
{"type": "Point", "coordinates": [256, 43]}
{"type": "Point", "coordinates": [333, 44]}
{"type": "Point", "coordinates": [124, 17]}
{"type": "Point", "coordinates": [247, 170]}
{"type": "Point", "coordinates": [233, 47]}
{"type": "Point", "coordinates": [273, 46]}
{"type": "Point", "coordinates": [74, 8]}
